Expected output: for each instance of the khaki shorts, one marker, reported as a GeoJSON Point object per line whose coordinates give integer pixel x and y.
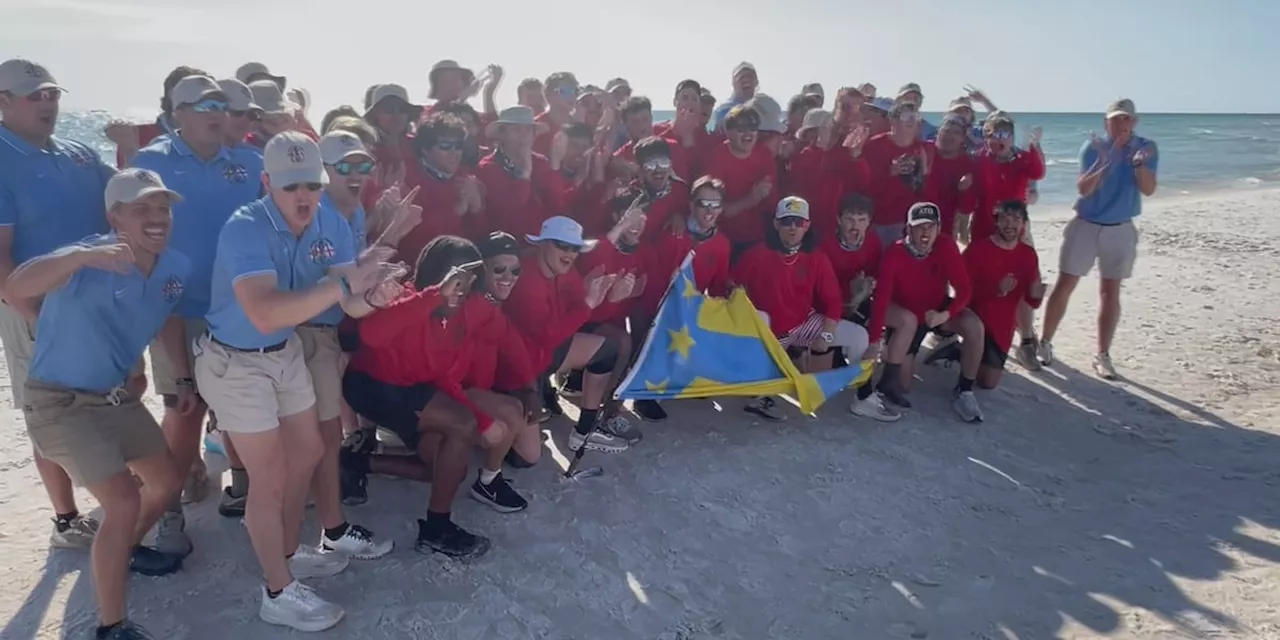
{"type": "Point", "coordinates": [19, 339]}
{"type": "Point", "coordinates": [1113, 247]}
{"type": "Point", "coordinates": [251, 391]}
{"type": "Point", "coordinates": [324, 362]}
{"type": "Point", "coordinates": [87, 435]}
{"type": "Point", "coordinates": [163, 379]}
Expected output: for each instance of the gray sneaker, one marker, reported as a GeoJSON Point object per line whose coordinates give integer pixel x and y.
{"type": "Point", "coordinates": [171, 535]}
{"type": "Point", "coordinates": [1027, 356]}
{"type": "Point", "coordinates": [622, 428]}
{"type": "Point", "coordinates": [196, 486]}
{"type": "Point", "coordinates": [966, 405]}
{"type": "Point", "coordinates": [1044, 353]}
{"type": "Point", "coordinates": [1103, 367]}
{"type": "Point", "coordinates": [78, 534]}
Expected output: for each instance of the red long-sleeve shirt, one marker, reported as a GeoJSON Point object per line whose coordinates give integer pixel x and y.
{"type": "Point", "coordinates": [1000, 181]}
{"type": "Point", "coordinates": [890, 192]}
{"type": "Point", "coordinates": [438, 199]}
{"type": "Point", "coordinates": [740, 175]}
{"type": "Point", "coordinates": [519, 206]}
{"type": "Point", "coordinates": [665, 253]}
{"type": "Point", "coordinates": [822, 177]}
{"type": "Point", "coordinates": [610, 260]}
{"type": "Point", "coordinates": [788, 287]}
{"type": "Point", "coordinates": [988, 264]}
{"type": "Point", "coordinates": [848, 264]}
{"type": "Point", "coordinates": [406, 344]}
{"type": "Point", "coordinates": [502, 364]}
{"type": "Point", "coordinates": [919, 284]}
{"type": "Point", "coordinates": [546, 310]}
{"type": "Point", "coordinates": [681, 158]}
{"type": "Point", "coordinates": [943, 187]}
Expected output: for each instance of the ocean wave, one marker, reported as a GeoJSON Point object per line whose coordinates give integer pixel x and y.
{"type": "Point", "coordinates": [1202, 132]}
{"type": "Point", "coordinates": [1053, 162]}
{"type": "Point", "coordinates": [1251, 181]}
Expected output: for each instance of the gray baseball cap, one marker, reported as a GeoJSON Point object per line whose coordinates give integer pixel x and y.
{"type": "Point", "coordinates": [23, 77]}
{"type": "Point", "coordinates": [268, 96]}
{"type": "Point", "coordinates": [131, 185]}
{"type": "Point", "coordinates": [337, 146]}
{"type": "Point", "coordinates": [239, 97]}
{"type": "Point", "coordinates": [291, 157]}
{"type": "Point", "coordinates": [193, 89]}
{"type": "Point", "coordinates": [770, 113]}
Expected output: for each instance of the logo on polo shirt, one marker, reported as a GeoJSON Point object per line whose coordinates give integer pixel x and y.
{"type": "Point", "coordinates": [235, 173]}
{"type": "Point", "coordinates": [297, 154]}
{"type": "Point", "coordinates": [322, 251]}
{"type": "Point", "coordinates": [172, 289]}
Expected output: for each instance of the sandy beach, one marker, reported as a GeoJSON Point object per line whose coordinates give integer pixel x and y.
{"type": "Point", "coordinates": [1080, 509]}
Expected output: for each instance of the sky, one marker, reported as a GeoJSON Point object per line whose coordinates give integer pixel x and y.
{"type": "Point", "coordinates": [1048, 55]}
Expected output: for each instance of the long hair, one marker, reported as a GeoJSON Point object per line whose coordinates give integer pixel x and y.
{"type": "Point", "coordinates": [442, 254]}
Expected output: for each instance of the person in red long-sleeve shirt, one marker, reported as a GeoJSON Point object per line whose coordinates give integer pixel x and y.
{"type": "Point", "coordinates": [476, 145]}
{"type": "Point", "coordinates": [688, 130]}
{"type": "Point", "coordinates": [1005, 273]}
{"type": "Point", "coordinates": [407, 376]}
{"type": "Point", "coordinates": [659, 192]}
{"type": "Point", "coordinates": [549, 306]}
{"type": "Point", "coordinates": [911, 300]}
{"type": "Point", "coordinates": [450, 198]}
{"type": "Point", "coordinates": [952, 174]}
{"type": "Point", "coordinates": [898, 162]}
{"type": "Point", "coordinates": [826, 168]}
{"type": "Point", "coordinates": [792, 285]}
{"type": "Point", "coordinates": [391, 113]}
{"type": "Point", "coordinates": [749, 173]}
{"type": "Point", "coordinates": [522, 187]}
{"type": "Point", "coordinates": [854, 252]}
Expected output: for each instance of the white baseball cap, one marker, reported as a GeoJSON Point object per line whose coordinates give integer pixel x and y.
{"type": "Point", "coordinates": [792, 207]}
{"type": "Point", "coordinates": [23, 77]}
{"type": "Point", "coordinates": [337, 146]}
{"type": "Point", "coordinates": [131, 185]}
{"type": "Point", "coordinates": [268, 96]}
{"type": "Point", "coordinates": [291, 157]}
{"type": "Point", "coordinates": [563, 229]}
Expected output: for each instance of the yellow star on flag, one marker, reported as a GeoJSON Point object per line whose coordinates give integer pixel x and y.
{"type": "Point", "coordinates": [690, 289]}
{"type": "Point", "coordinates": [661, 387]}
{"type": "Point", "coordinates": [681, 341]}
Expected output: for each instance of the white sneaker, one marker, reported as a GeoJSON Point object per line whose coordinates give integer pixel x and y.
{"type": "Point", "coordinates": [1103, 367]}
{"type": "Point", "coordinates": [78, 534]}
{"type": "Point", "coordinates": [1044, 353]}
{"type": "Point", "coordinates": [299, 607]}
{"type": "Point", "coordinates": [310, 563]}
{"type": "Point", "coordinates": [356, 543]}
{"type": "Point", "coordinates": [597, 441]}
{"type": "Point", "coordinates": [873, 407]}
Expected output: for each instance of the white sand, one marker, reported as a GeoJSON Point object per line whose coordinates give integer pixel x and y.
{"type": "Point", "coordinates": [1144, 509]}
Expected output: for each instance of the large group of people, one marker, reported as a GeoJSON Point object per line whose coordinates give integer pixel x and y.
{"type": "Point", "coordinates": [446, 273]}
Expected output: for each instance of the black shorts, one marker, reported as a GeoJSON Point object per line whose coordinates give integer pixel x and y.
{"type": "Point", "coordinates": [923, 330]}
{"type": "Point", "coordinates": [557, 357]}
{"type": "Point", "coordinates": [992, 355]}
{"type": "Point", "coordinates": [389, 406]}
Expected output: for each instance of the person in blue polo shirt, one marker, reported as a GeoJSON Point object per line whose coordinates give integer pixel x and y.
{"type": "Point", "coordinates": [50, 196]}
{"type": "Point", "coordinates": [281, 261]}
{"type": "Point", "coordinates": [1116, 172]}
{"type": "Point", "coordinates": [105, 299]}
{"type": "Point", "coordinates": [215, 180]}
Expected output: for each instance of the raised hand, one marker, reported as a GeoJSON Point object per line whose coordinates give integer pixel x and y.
{"type": "Point", "coordinates": [622, 287]}
{"type": "Point", "coordinates": [1033, 138]}
{"type": "Point", "coordinates": [459, 278]}
{"type": "Point", "coordinates": [642, 281]}
{"type": "Point", "coordinates": [966, 181]}
{"type": "Point", "coordinates": [597, 288]}
{"type": "Point", "coordinates": [1007, 283]}
{"type": "Point", "coordinates": [122, 133]}
{"type": "Point", "coordinates": [404, 218]}
{"type": "Point", "coordinates": [762, 189]}
{"type": "Point", "coordinates": [857, 139]}
{"type": "Point", "coordinates": [1144, 154]}
{"type": "Point", "coordinates": [384, 293]}
{"type": "Point", "coordinates": [116, 256]}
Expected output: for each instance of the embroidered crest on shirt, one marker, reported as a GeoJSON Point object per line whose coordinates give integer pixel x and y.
{"type": "Point", "coordinates": [172, 289]}
{"type": "Point", "coordinates": [322, 251]}
{"type": "Point", "coordinates": [235, 173]}
{"type": "Point", "coordinates": [297, 154]}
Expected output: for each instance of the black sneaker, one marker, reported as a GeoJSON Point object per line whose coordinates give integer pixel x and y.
{"type": "Point", "coordinates": [572, 384]}
{"type": "Point", "coordinates": [353, 478]}
{"type": "Point", "coordinates": [149, 562]}
{"type": "Point", "coordinates": [649, 410]}
{"type": "Point", "coordinates": [498, 495]}
{"type": "Point", "coordinates": [363, 441]}
{"type": "Point", "coordinates": [550, 402]}
{"type": "Point", "coordinates": [890, 392]}
{"type": "Point", "coordinates": [451, 540]}
{"type": "Point", "coordinates": [766, 408]}
{"type": "Point", "coordinates": [516, 461]}
{"type": "Point", "coordinates": [945, 354]}
{"type": "Point", "coordinates": [126, 631]}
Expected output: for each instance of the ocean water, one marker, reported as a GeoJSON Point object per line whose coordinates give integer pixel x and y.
{"type": "Point", "coordinates": [1198, 152]}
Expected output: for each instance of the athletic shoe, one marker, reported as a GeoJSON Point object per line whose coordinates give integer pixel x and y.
{"type": "Point", "coordinates": [649, 410]}
{"type": "Point", "coordinates": [572, 386]}
{"type": "Point", "coordinates": [126, 630]}
{"type": "Point", "coordinates": [299, 607]}
{"type": "Point", "coordinates": [357, 543]}
{"type": "Point", "coordinates": [947, 351]}
{"type": "Point", "coordinates": [171, 534]}
{"type": "Point", "coordinates": [889, 391]}
{"type": "Point", "coordinates": [78, 533]}
{"type": "Point", "coordinates": [873, 407]}
{"type": "Point", "coordinates": [308, 562]}
{"type": "Point", "coordinates": [196, 486]}
{"type": "Point", "coordinates": [597, 441]}
{"type": "Point", "coordinates": [766, 408]}
{"type": "Point", "coordinates": [498, 495]}
{"type": "Point", "coordinates": [353, 477]}
{"type": "Point", "coordinates": [363, 441]}
{"type": "Point", "coordinates": [550, 401]}
{"type": "Point", "coordinates": [1044, 353]}
{"type": "Point", "coordinates": [516, 461]}
{"type": "Point", "coordinates": [451, 540]}
{"type": "Point", "coordinates": [1026, 355]}
{"type": "Point", "coordinates": [1103, 367]}
{"type": "Point", "coordinates": [966, 405]}
{"type": "Point", "coordinates": [150, 562]}
{"type": "Point", "coordinates": [230, 506]}
{"type": "Point", "coordinates": [622, 428]}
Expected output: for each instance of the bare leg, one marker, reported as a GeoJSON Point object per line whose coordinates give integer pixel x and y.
{"type": "Point", "coordinates": [302, 440]}
{"type": "Point", "coordinates": [1056, 306]}
{"type": "Point", "coordinates": [1108, 313]}
{"type": "Point", "coordinates": [113, 544]}
{"type": "Point", "coordinates": [324, 483]}
{"type": "Point", "coordinates": [57, 484]}
{"type": "Point", "coordinates": [160, 483]}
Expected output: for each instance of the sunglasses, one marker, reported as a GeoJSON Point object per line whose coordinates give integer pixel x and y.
{"type": "Point", "coordinates": [345, 168]}
{"type": "Point", "coordinates": [210, 106]}
{"type": "Point", "coordinates": [793, 221]}
{"type": "Point", "coordinates": [45, 95]}
{"type": "Point", "coordinates": [502, 269]}
{"type": "Point", "coordinates": [706, 203]}
{"type": "Point", "coordinates": [565, 246]}
{"type": "Point", "coordinates": [252, 115]}
{"type": "Point", "coordinates": [310, 186]}
{"type": "Point", "coordinates": [449, 145]}
{"type": "Point", "coordinates": [909, 116]}
{"type": "Point", "coordinates": [654, 164]}
{"type": "Point", "coordinates": [567, 91]}
{"type": "Point", "coordinates": [1001, 135]}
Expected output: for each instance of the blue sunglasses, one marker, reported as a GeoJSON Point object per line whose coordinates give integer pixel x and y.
{"type": "Point", "coordinates": [210, 106]}
{"type": "Point", "coordinates": [345, 168]}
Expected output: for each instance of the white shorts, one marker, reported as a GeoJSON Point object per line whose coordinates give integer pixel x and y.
{"type": "Point", "coordinates": [1113, 247]}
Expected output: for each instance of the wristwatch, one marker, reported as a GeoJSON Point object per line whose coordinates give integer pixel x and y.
{"type": "Point", "coordinates": [827, 337]}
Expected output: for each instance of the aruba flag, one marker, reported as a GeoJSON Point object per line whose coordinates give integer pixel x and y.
{"type": "Point", "coordinates": [701, 347]}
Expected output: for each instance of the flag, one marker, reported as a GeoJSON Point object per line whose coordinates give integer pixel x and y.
{"type": "Point", "coordinates": [701, 347]}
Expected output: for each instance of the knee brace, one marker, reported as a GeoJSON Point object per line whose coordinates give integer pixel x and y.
{"type": "Point", "coordinates": [604, 359]}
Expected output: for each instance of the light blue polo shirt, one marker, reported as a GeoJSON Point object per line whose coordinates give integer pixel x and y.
{"type": "Point", "coordinates": [1117, 200]}
{"type": "Point", "coordinates": [256, 241]}
{"type": "Point", "coordinates": [211, 191]}
{"type": "Point", "coordinates": [335, 314]}
{"type": "Point", "coordinates": [92, 330]}
{"type": "Point", "coordinates": [51, 197]}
